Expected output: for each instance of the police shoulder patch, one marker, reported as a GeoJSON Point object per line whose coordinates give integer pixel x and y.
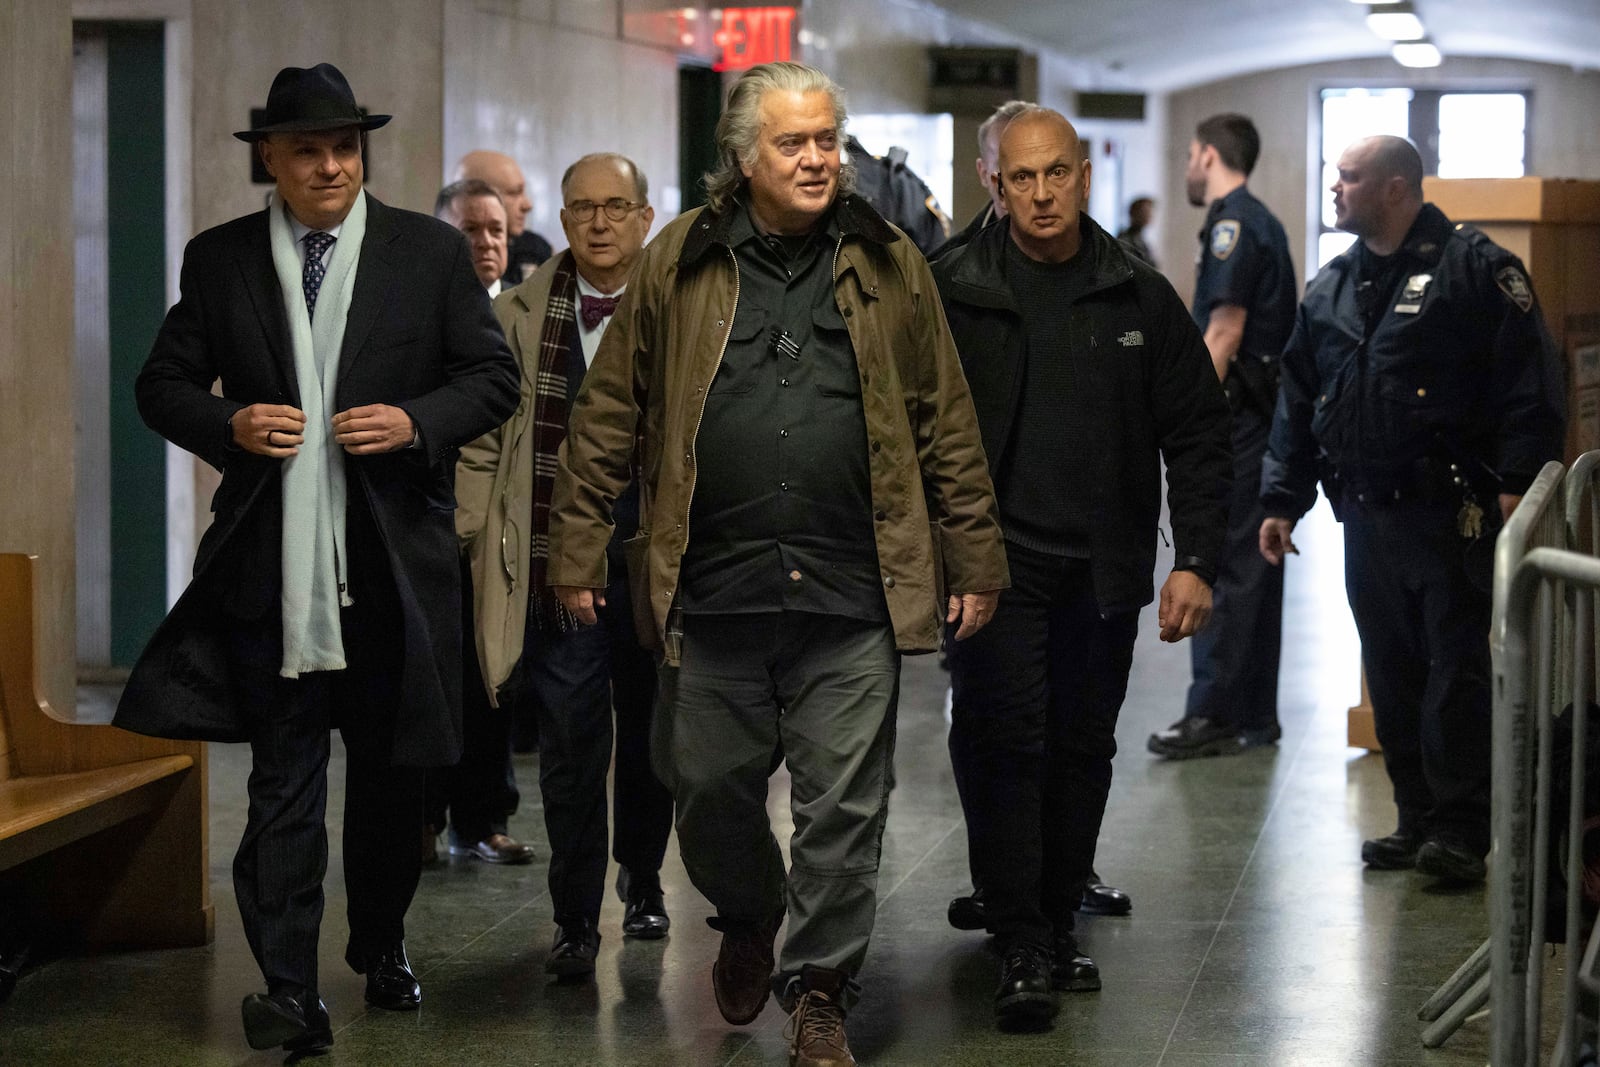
{"type": "Point", "coordinates": [1514, 284]}
{"type": "Point", "coordinates": [1224, 238]}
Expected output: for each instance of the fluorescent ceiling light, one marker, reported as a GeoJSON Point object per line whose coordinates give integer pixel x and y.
{"type": "Point", "coordinates": [1375, 3]}
{"type": "Point", "coordinates": [1399, 25]}
{"type": "Point", "coordinates": [1417, 54]}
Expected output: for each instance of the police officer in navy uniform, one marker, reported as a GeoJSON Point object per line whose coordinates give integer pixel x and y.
{"type": "Point", "coordinates": [1421, 386]}
{"type": "Point", "coordinates": [1244, 301]}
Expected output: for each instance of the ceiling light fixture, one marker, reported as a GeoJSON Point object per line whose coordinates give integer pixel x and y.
{"type": "Point", "coordinates": [1396, 22]}
{"type": "Point", "coordinates": [1417, 54]}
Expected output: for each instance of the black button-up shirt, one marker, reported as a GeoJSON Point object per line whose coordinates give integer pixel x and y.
{"type": "Point", "coordinates": [782, 511]}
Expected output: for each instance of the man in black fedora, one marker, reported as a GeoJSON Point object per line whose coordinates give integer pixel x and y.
{"type": "Point", "coordinates": [356, 351]}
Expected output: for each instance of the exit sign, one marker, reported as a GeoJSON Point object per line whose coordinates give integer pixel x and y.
{"type": "Point", "coordinates": [752, 35]}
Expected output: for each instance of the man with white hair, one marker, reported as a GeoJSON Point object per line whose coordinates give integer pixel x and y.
{"type": "Point", "coordinates": [808, 457]}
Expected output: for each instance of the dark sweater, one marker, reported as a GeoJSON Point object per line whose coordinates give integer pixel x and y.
{"type": "Point", "coordinates": [1043, 487]}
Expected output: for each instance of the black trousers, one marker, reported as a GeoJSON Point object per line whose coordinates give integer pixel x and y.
{"type": "Point", "coordinates": [1421, 600]}
{"type": "Point", "coordinates": [477, 796]}
{"type": "Point", "coordinates": [1235, 658]}
{"type": "Point", "coordinates": [577, 678]}
{"type": "Point", "coordinates": [279, 867]}
{"type": "Point", "coordinates": [1033, 730]}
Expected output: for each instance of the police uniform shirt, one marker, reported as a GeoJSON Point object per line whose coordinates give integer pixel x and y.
{"type": "Point", "coordinates": [1244, 262]}
{"type": "Point", "coordinates": [781, 518]}
{"type": "Point", "coordinates": [1404, 364]}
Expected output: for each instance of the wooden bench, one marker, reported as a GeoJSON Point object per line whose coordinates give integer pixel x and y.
{"type": "Point", "coordinates": [102, 832]}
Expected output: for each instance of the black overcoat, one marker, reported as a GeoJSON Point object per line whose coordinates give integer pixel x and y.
{"type": "Point", "coordinates": [420, 336]}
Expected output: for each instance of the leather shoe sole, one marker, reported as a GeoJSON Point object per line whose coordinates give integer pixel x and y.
{"type": "Point", "coordinates": [1449, 863]}
{"type": "Point", "coordinates": [1025, 1010]}
{"type": "Point", "coordinates": [967, 913]}
{"type": "Point", "coordinates": [1075, 977]}
{"type": "Point", "coordinates": [270, 1022]}
{"type": "Point", "coordinates": [1100, 899]}
{"type": "Point", "coordinates": [1393, 853]}
{"type": "Point", "coordinates": [1227, 745]}
{"type": "Point", "coordinates": [569, 965]}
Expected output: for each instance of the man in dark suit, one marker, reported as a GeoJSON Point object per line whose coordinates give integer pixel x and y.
{"type": "Point", "coordinates": [356, 351]}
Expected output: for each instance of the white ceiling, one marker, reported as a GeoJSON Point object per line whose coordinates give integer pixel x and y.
{"type": "Point", "coordinates": [1161, 45]}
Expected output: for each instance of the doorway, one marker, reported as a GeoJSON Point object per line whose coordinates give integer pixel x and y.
{"type": "Point", "coordinates": [119, 210]}
{"type": "Point", "coordinates": [699, 108]}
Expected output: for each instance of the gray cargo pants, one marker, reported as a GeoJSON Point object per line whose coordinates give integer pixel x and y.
{"type": "Point", "coordinates": [825, 688]}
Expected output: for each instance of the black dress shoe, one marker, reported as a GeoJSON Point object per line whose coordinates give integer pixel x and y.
{"type": "Point", "coordinates": [1450, 859]}
{"type": "Point", "coordinates": [1397, 852]}
{"type": "Point", "coordinates": [1024, 999]}
{"type": "Point", "coordinates": [297, 1023]}
{"type": "Point", "coordinates": [390, 983]}
{"type": "Point", "coordinates": [645, 916]}
{"type": "Point", "coordinates": [1102, 899]}
{"type": "Point", "coordinates": [1189, 738]}
{"type": "Point", "coordinates": [1070, 969]}
{"type": "Point", "coordinates": [969, 913]}
{"type": "Point", "coordinates": [572, 955]}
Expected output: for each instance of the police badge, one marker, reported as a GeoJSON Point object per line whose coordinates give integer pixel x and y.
{"type": "Point", "coordinates": [1411, 296]}
{"type": "Point", "coordinates": [1514, 284]}
{"type": "Point", "coordinates": [1224, 238]}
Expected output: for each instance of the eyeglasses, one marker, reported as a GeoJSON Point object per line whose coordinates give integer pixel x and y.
{"type": "Point", "coordinates": [616, 210]}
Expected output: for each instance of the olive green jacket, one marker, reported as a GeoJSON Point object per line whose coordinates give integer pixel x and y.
{"type": "Point", "coordinates": [935, 518]}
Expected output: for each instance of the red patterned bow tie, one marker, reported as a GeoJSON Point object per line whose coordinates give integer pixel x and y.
{"type": "Point", "coordinates": [595, 308]}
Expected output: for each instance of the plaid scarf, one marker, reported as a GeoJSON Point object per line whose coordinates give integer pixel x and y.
{"type": "Point", "coordinates": [545, 612]}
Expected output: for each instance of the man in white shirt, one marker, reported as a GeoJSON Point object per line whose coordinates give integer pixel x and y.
{"type": "Point", "coordinates": [554, 322]}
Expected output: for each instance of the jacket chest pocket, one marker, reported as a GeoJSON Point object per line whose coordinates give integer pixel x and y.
{"type": "Point", "coordinates": [1109, 354]}
{"type": "Point", "coordinates": [743, 356]}
{"type": "Point", "coordinates": [833, 362]}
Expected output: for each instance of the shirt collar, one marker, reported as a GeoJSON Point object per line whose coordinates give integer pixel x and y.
{"type": "Point", "coordinates": [300, 229]}
{"type": "Point", "coordinates": [585, 289]}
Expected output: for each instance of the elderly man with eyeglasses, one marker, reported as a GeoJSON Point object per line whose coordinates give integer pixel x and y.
{"type": "Point", "coordinates": [554, 321]}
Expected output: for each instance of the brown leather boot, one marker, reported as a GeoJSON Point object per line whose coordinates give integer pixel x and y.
{"type": "Point", "coordinates": [816, 1027]}
{"type": "Point", "coordinates": [742, 976]}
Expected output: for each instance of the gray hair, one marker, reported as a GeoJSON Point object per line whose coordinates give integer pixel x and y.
{"type": "Point", "coordinates": [641, 184]}
{"type": "Point", "coordinates": [466, 189]}
{"type": "Point", "coordinates": [739, 128]}
{"type": "Point", "coordinates": [1001, 118]}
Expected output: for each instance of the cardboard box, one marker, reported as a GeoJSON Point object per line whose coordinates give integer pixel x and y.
{"type": "Point", "coordinates": [1361, 731]}
{"type": "Point", "coordinates": [1515, 199]}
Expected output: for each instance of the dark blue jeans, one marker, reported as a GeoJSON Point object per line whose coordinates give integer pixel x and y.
{"type": "Point", "coordinates": [1033, 730]}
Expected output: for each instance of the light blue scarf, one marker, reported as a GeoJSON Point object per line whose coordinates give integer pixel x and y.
{"type": "Point", "coordinates": [314, 563]}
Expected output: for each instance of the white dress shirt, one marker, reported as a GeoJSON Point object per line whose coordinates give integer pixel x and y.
{"type": "Point", "coordinates": [591, 338]}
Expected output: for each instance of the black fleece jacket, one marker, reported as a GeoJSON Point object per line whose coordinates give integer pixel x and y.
{"type": "Point", "coordinates": [1153, 394]}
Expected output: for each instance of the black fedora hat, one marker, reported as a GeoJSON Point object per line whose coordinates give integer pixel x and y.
{"type": "Point", "coordinates": [303, 100]}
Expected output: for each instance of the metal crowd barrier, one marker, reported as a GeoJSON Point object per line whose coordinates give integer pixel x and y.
{"type": "Point", "coordinates": [1552, 593]}
{"type": "Point", "coordinates": [1540, 521]}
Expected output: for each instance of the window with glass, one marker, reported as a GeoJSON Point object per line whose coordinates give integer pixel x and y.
{"type": "Point", "coordinates": [1460, 134]}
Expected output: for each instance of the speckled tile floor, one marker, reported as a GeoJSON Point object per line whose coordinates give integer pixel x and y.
{"type": "Point", "coordinates": [1257, 939]}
